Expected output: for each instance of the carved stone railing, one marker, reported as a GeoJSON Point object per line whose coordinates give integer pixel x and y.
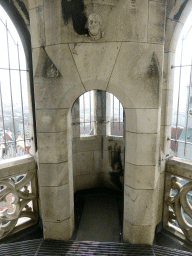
{"type": "Point", "coordinates": [178, 184]}
{"type": "Point", "coordinates": [18, 189]}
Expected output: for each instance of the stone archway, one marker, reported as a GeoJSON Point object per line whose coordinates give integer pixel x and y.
{"type": "Point", "coordinates": [98, 159]}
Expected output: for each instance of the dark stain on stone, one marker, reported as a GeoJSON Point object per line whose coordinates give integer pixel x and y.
{"type": "Point", "coordinates": [116, 165]}
{"type": "Point", "coordinates": [75, 10]}
{"type": "Point", "coordinates": [178, 14]}
{"type": "Point", "coordinates": [45, 67]}
{"type": "Point", "coordinates": [153, 68]}
{"type": "Point", "coordinates": [23, 8]}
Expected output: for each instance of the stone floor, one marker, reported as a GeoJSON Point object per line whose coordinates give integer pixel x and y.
{"type": "Point", "coordinates": [98, 217]}
{"type": "Point", "coordinates": [101, 216]}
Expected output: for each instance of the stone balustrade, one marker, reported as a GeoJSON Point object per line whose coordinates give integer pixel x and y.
{"type": "Point", "coordinates": [18, 192]}
{"type": "Point", "coordinates": [178, 196]}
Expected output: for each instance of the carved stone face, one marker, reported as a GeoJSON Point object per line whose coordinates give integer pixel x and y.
{"type": "Point", "coordinates": [94, 24]}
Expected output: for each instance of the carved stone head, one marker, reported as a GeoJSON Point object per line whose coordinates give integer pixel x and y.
{"type": "Point", "coordinates": [94, 25]}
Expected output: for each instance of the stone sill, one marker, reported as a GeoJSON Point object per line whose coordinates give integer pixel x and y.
{"type": "Point", "coordinates": [179, 167]}
{"type": "Point", "coordinates": [90, 137]}
{"type": "Point", "coordinates": [180, 162]}
{"type": "Point", "coordinates": [109, 137]}
{"type": "Point", "coordinates": [17, 165]}
{"type": "Point", "coordinates": [113, 137]}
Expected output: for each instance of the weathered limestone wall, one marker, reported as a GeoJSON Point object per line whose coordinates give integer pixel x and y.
{"type": "Point", "coordinates": [126, 62]}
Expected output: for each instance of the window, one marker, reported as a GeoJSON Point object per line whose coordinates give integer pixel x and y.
{"type": "Point", "coordinates": [89, 105]}
{"type": "Point", "coordinates": [14, 108]}
{"type": "Point", "coordinates": [114, 115]}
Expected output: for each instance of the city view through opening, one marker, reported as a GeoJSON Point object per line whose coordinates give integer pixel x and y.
{"type": "Point", "coordinates": [114, 114]}
{"type": "Point", "coordinates": [14, 111]}
{"type": "Point", "coordinates": [181, 128]}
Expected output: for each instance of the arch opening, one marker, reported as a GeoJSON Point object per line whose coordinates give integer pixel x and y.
{"type": "Point", "coordinates": [98, 160]}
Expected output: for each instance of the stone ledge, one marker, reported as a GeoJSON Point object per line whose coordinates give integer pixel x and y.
{"type": "Point", "coordinates": [17, 165]}
{"type": "Point", "coordinates": [180, 167]}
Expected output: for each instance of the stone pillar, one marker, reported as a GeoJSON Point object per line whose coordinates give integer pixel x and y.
{"type": "Point", "coordinates": [100, 107]}
{"type": "Point", "coordinates": [55, 77]}
{"type": "Point", "coordinates": [127, 62]}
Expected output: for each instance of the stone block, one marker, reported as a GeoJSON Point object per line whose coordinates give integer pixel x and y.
{"type": "Point", "coordinates": [186, 12]}
{"type": "Point", "coordinates": [161, 188]}
{"type": "Point", "coordinates": [63, 59]}
{"type": "Point", "coordinates": [143, 234]}
{"type": "Point", "coordinates": [83, 163]}
{"type": "Point", "coordinates": [37, 27]}
{"type": "Point", "coordinates": [141, 149]}
{"type": "Point", "coordinates": [35, 40]}
{"type": "Point", "coordinates": [71, 187]}
{"type": "Point", "coordinates": [35, 56]}
{"type": "Point", "coordinates": [52, 120]}
{"type": "Point", "coordinates": [69, 141]}
{"type": "Point", "coordinates": [52, 147]}
{"type": "Point", "coordinates": [53, 21]}
{"type": "Point", "coordinates": [97, 159]}
{"type": "Point", "coordinates": [55, 203]}
{"type": "Point", "coordinates": [95, 63]}
{"type": "Point", "coordinates": [139, 206]}
{"type": "Point", "coordinates": [35, 3]}
{"type": "Point", "coordinates": [170, 5]}
{"type": "Point", "coordinates": [175, 37]}
{"type": "Point", "coordinates": [170, 27]}
{"type": "Point", "coordinates": [86, 181]}
{"type": "Point", "coordinates": [58, 231]}
{"type": "Point", "coordinates": [53, 175]}
{"type": "Point", "coordinates": [76, 129]}
{"type": "Point", "coordinates": [60, 92]}
{"type": "Point", "coordinates": [168, 72]}
{"type": "Point", "coordinates": [128, 22]}
{"type": "Point", "coordinates": [160, 1]}
{"type": "Point", "coordinates": [55, 93]}
{"type": "Point", "coordinates": [156, 23]}
{"type": "Point", "coordinates": [106, 168]}
{"type": "Point", "coordinates": [166, 110]}
{"type": "Point", "coordinates": [159, 216]}
{"type": "Point", "coordinates": [131, 81]}
{"type": "Point", "coordinates": [85, 144]}
{"type": "Point", "coordinates": [165, 137]}
{"type": "Point", "coordinates": [140, 177]}
{"type": "Point", "coordinates": [142, 120]}
{"type": "Point", "coordinates": [106, 181]}
{"type": "Point", "coordinates": [111, 141]}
